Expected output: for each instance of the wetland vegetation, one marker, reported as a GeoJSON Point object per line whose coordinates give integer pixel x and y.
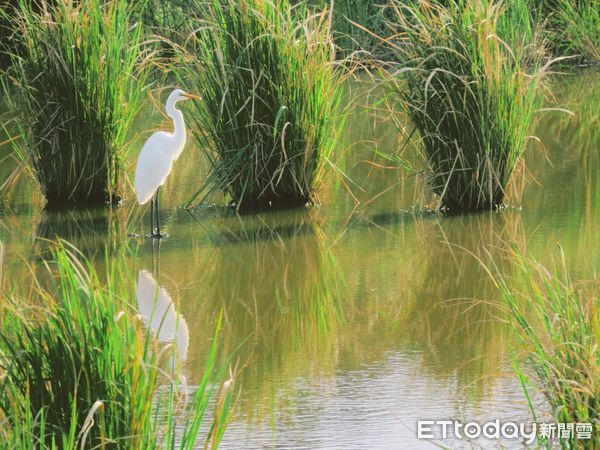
{"type": "Point", "coordinates": [74, 82]}
{"type": "Point", "coordinates": [389, 211]}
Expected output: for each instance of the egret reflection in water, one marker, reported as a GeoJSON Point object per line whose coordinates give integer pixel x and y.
{"type": "Point", "coordinates": [158, 311]}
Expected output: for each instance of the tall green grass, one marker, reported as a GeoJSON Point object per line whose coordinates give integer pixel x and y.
{"type": "Point", "coordinates": [560, 327]}
{"type": "Point", "coordinates": [5, 34]}
{"type": "Point", "coordinates": [166, 19]}
{"type": "Point", "coordinates": [269, 115]}
{"type": "Point", "coordinates": [575, 28]}
{"type": "Point", "coordinates": [78, 370]}
{"type": "Point", "coordinates": [356, 27]}
{"type": "Point", "coordinates": [470, 98]}
{"type": "Point", "coordinates": [75, 83]}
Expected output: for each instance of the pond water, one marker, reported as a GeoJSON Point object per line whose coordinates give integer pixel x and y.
{"type": "Point", "coordinates": [349, 323]}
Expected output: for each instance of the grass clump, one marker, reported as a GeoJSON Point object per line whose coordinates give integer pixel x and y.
{"type": "Point", "coordinates": [469, 97]}
{"type": "Point", "coordinates": [560, 327]}
{"type": "Point", "coordinates": [78, 370]}
{"type": "Point", "coordinates": [76, 80]}
{"type": "Point", "coordinates": [268, 117]}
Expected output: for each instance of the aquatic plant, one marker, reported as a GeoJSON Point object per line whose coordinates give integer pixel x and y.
{"type": "Point", "coordinates": [166, 19]}
{"type": "Point", "coordinates": [469, 96]}
{"type": "Point", "coordinates": [268, 119]}
{"type": "Point", "coordinates": [75, 85]}
{"type": "Point", "coordinates": [78, 370]}
{"type": "Point", "coordinates": [356, 27]}
{"type": "Point", "coordinates": [575, 28]}
{"type": "Point", "coordinates": [521, 25]}
{"type": "Point", "coordinates": [560, 327]}
{"type": "Point", "coordinates": [4, 32]}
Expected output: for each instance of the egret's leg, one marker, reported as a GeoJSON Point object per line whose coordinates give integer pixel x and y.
{"type": "Point", "coordinates": [157, 215]}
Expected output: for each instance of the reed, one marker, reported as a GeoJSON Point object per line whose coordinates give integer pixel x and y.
{"type": "Point", "coordinates": [356, 27]}
{"type": "Point", "coordinates": [5, 35]}
{"type": "Point", "coordinates": [269, 115]}
{"type": "Point", "coordinates": [78, 370]}
{"type": "Point", "coordinates": [560, 328]}
{"type": "Point", "coordinates": [575, 28]}
{"type": "Point", "coordinates": [471, 100]}
{"type": "Point", "coordinates": [76, 79]}
{"type": "Point", "coordinates": [166, 19]}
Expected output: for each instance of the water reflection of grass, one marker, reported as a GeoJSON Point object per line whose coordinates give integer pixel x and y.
{"type": "Point", "coordinates": [280, 299]}
{"type": "Point", "coordinates": [457, 306]}
{"type": "Point", "coordinates": [92, 231]}
{"type": "Point", "coordinates": [278, 283]}
{"type": "Point", "coordinates": [570, 159]}
{"type": "Point", "coordinates": [438, 301]}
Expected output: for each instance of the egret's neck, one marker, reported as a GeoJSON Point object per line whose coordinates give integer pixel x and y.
{"type": "Point", "coordinates": [178, 123]}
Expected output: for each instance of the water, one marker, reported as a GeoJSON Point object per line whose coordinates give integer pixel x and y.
{"type": "Point", "coordinates": [349, 322]}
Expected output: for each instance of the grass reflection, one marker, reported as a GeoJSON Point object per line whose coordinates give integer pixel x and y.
{"type": "Point", "coordinates": [456, 311]}
{"type": "Point", "coordinates": [281, 292]}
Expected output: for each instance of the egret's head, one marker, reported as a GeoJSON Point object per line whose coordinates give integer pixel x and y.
{"type": "Point", "coordinates": [179, 95]}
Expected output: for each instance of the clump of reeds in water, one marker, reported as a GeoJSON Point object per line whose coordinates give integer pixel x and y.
{"type": "Point", "coordinates": [78, 370]}
{"type": "Point", "coordinates": [75, 84]}
{"type": "Point", "coordinates": [560, 327]}
{"type": "Point", "coordinates": [469, 95]}
{"type": "Point", "coordinates": [268, 115]}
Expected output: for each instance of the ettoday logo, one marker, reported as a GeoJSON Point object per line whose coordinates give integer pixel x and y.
{"type": "Point", "coordinates": [524, 432]}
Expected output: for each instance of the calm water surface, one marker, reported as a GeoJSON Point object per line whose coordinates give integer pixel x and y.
{"type": "Point", "coordinates": [352, 322]}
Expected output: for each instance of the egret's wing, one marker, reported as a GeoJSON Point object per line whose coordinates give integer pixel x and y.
{"type": "Point", "coordinates": [153, 166]}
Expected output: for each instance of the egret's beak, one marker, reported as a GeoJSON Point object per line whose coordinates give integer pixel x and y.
{"type": "Point", "coordinates": [192, 97]}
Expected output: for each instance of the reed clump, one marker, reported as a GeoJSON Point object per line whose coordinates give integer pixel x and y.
{"type": "Point", "coordinates": [79, 371]}
{"type": "Point", "coordinates": [560, 327]}
{"type": "Point", "coordinates": [269, 115]}
{"type": "Point", "coordinates": [76, 77]}
{"type": "Point", "coordinates": [469, 95]}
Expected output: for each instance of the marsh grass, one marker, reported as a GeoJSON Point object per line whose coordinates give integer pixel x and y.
{"type": "Point", "coordinates": [77, 370]}
{"type": "Point", "coordinates": [469, 96]}
{"type": "Point", "coordinates": [575, 28]}
{"type": "Point", "coordinates": [166, 20]}
{"type": "Point", "coordinates": [75, 84]}
{"type": "Point", "coordinates": [356, 27]}
{"type": "Point", "coordinates": [268, 118]}
{"type": "Point", "coordinates": [560, 328]}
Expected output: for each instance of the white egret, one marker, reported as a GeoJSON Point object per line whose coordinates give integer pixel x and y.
{"type": "Point", "coordinates": [156, 159]}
